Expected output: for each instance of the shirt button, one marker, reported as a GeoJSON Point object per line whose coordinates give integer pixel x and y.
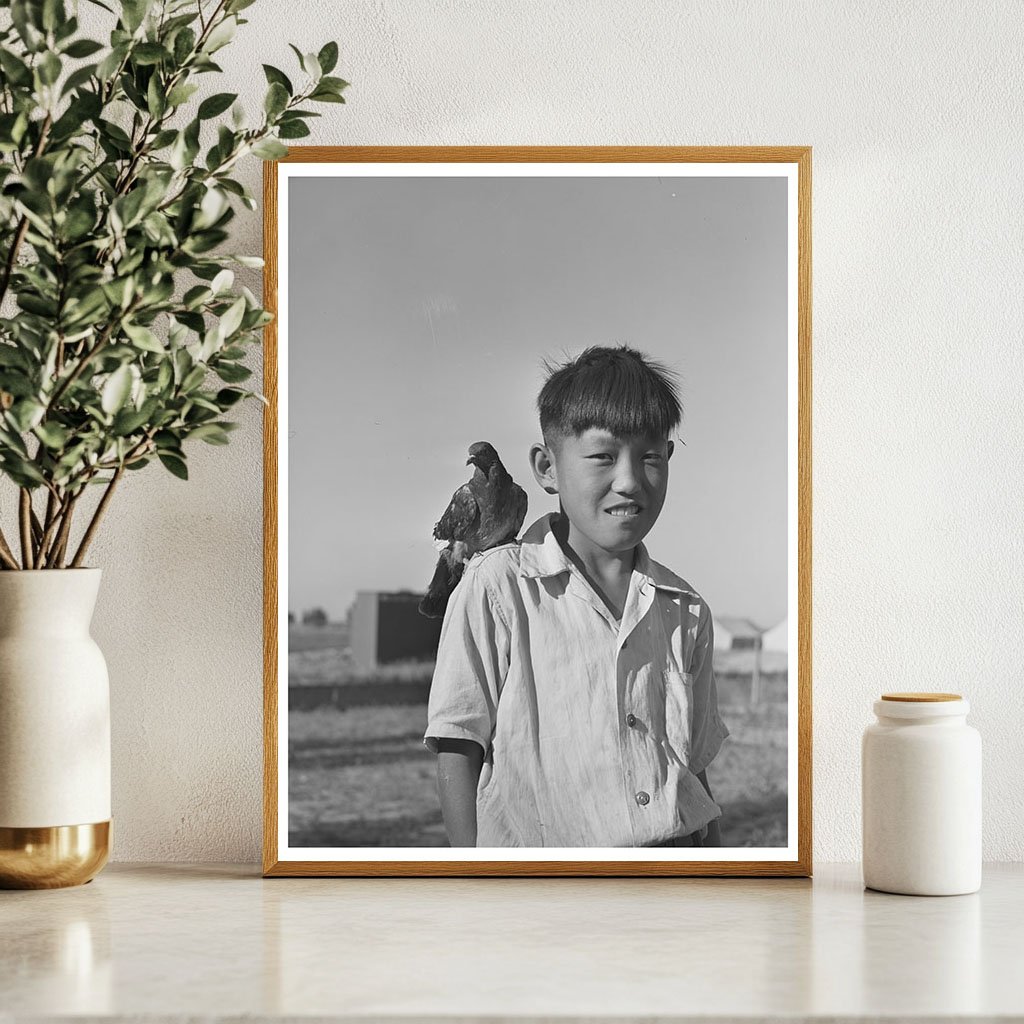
{"type": "Point", "coordinates": [631, 720]}
{"type": "Point", "coordinates": [643, 799]}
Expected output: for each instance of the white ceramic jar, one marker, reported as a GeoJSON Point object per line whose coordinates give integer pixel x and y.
{"type": "Point", "coordinates": [921, 790]}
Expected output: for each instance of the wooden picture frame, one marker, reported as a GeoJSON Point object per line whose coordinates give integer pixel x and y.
{"type": "Point", "coordinates": [676, 165]}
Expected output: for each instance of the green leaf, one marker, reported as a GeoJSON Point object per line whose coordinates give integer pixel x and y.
{"type": "Point", "coordinates": [27, 23]}
{"type": "Point", "coordinates": [184, 44]}
{"type": "Point", "coordinates": [276, 77]}
{"type": "Point", "coordinates": [222, 282]}
{"type": "Point", "coordinates": [54, 15]}
{"type": "Point", "coordinates": [227, 397]}
{"type": "Point", "coordinates": [116, 390]}
{"type": "Point", "coordinates": [129, 207]}
{"type": "Point", "coordinates": [109, 65]}
{"type": "Point", "coordinates": [232, 373]}
{"type": "Point", "coordinates": [269, 149]}
{"type": "Point", "coordinates": [276, 100]}
{"type": "Point", "coordinates": [11, 441]}
{"type": "Point", "coordinates": [211, 433]}
{"type": "Point", "coordinates": [14, 68]}
{"type": "Point", "coordinates": [293, 130]}
{"type": "Point", "coordinates": [144, 338]}
{"type": "Point", "coordinates": [221, 35]}
{"type": "Point", "coordinates": [116, 134]}
{"type": "Point", "coordinates": [49, 68]}
{"type": "Point", "coordinates": [175, 464]}
{"type": "Point", "coordinates": [156, 98]}
{"type": "Point", "coordinates": [35, 304]}
{"type": "Point", "coordinates": [326, 96]}
{"type": "Point", "coordinates": [255, 262]}
{"type": "Point", "coordinates": [234, 6]}
{"type": "Point", "coordinates": [83, 48]}
{"type": "Point", "coordinates": [21, 471]}
{"type": "Point", "coordinates": [334, 84]}
{"type": "Point", "coordinates": [26, 414]}
{"type": "Point", "coordinates": [53, 435]}
{"type": "Point", "coordinates": [181, 93]}
{"type": "Point", "coordinates": [128, 421]}
{"type": "Point", "coordinates": [162, 139]}
{"type": "Point", "coordinates": [78, 78]}
{"type": "Point", "coordinates": [217, 104]}
{"type": "Point", "coordinates": [232, 319]}
{"type": "Point", "coordinates": [311, 66]}
{"type": "Point", "coordinates": [196, 296]}
{"type": "Point", "coordinates": [11, 355]}
{"type": "Point", "coordinates": [133, 13]}
{"type": "Point", "coordinates": [149, 53]}
{"type": "Point", "coordinates": [328, 58]}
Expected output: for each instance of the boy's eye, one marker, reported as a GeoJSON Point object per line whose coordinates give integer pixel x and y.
{"type": "Point", "coordinates": [653, 457]}
{"type": "Point", "coordinates": [599, 455]}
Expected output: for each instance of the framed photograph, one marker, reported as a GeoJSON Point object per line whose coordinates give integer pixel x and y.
{"type": "Point", "coordinates": [537, 513]}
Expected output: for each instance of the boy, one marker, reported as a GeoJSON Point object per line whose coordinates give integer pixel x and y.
{"type": "Point", "coordinates": [573, 702]}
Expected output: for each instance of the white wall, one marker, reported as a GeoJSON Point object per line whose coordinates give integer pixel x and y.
{"type": "Point", "coordinates": [914, 113]}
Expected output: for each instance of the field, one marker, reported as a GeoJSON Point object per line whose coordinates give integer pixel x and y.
{"type": "Point", "coordinates": [360, 775]}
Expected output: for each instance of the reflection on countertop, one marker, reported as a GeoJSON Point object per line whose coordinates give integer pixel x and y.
{"type": "Point", "coordinates": [179, 940]}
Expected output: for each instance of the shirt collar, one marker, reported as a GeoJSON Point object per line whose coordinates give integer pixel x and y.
{"type": "Point", "coordinates": [541, 555]}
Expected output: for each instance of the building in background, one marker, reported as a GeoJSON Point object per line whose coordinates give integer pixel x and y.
{"type": "Point", "coordinates": [777, 638]}
{"type": "Point", "coordinates": [386, 628]}
{"type": "Point", "coordinates": [732, 634]}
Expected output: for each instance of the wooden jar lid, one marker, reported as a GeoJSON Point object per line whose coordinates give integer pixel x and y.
{"type": "Point", "coordinates": [920, 698]}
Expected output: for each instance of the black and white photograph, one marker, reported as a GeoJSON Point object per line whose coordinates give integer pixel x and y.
{"type": "Point", "coordinates": [537, 513]}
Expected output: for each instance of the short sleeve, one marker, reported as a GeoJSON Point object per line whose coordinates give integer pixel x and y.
{"type": "Point", "coordinates": [472, 662]}
{"type": "Point", "coordinates": [708, 728]}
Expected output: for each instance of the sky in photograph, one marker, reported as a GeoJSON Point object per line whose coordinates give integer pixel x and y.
{"type": "Point", "coordinates": [420, 313]}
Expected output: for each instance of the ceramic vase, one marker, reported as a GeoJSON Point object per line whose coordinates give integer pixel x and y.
{"type": "Point", "coordinates": [54, 731]}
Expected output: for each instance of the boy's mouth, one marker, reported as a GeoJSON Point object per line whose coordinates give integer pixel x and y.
{"type": "Point", "coordinates": [624, 511]}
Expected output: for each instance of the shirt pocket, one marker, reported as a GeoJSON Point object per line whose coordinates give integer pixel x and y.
{"type": "Point", "coordinates": [679, 712]}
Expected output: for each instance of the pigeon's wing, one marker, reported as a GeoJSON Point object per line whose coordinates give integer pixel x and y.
{"type": "Point", "coordinates": [520, 503]}
{"type": "Point", "coordinates": [460, 517]}
{"type": "Point", "coordinates": [513, 513]}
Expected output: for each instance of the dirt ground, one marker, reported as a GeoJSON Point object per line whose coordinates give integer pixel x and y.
{"type": "Point", "coordinates": [362, 777]}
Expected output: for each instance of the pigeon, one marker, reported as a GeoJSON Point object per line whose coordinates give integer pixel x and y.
{"type": "Point", "coordinates": [487, 511]}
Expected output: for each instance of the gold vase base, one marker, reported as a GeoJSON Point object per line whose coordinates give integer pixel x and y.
{"type": "Point", "coordinates": [52, 858]}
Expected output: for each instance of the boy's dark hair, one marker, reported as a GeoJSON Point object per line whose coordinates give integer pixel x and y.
{"type": "Point", "coordinates": [618, 389]}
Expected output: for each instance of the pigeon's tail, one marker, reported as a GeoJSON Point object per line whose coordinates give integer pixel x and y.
{"type": "Point", "coordinates": [445, 579]}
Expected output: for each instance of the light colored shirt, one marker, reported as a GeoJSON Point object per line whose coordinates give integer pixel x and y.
{"type": "Point", "coordinates": [593, 729]}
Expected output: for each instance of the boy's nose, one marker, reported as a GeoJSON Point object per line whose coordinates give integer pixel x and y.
{"type": "Point", "coordinates": [627, 479]}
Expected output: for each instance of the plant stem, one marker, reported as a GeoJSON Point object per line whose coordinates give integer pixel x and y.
{"type": "Point", "coordinates": [60, 544]}
{"type": "Point", "coordinates": [6, 555]}
{"type": "Point", "coordinates": [53, 509]}
{"type": "Point", "coordinates": [97, 516]}
{"type": "Point", "coordinates": [37, 529]}
{"type": "Point", "coordinates": [25, 521]}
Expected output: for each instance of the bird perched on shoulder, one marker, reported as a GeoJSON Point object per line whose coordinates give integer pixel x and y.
{"type": "Point", "coordinates": [487, 511]}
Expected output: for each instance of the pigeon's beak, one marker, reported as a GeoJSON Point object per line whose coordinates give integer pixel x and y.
{"type": "Point", "coordinates": [470, 462]}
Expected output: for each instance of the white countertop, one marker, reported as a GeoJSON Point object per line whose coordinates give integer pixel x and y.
{"type": "Point", "coordinates": [172, 941]}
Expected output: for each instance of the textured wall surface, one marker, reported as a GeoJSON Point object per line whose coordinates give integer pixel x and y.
{"type": "Point", "coordinates": [913, 111]}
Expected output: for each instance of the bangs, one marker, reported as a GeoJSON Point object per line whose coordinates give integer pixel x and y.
{"type": "Point", "coordinates": [616, 389]}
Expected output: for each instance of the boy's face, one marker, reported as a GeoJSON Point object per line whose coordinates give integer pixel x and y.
{"type": "Point", "coordinates": [611, 488]}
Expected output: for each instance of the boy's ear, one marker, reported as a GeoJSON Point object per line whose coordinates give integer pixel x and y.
{"type": "Point", "coordinates": [671, 449]}
{"type": "Point", "coordinates": [543, 465]}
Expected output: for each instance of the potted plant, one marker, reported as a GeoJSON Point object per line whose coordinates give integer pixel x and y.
{"type": "Point", "coordinates": [122, 339]}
